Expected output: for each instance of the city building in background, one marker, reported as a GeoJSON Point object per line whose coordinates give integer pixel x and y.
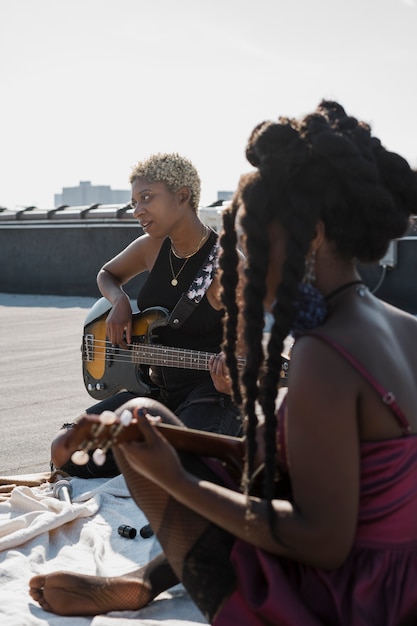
{"type": "Point", "coordinates": [224, 195]}
{"type": "Point", "coordinates": [87, 194]}
{"type": "Point", "coordinates": [212, 215]}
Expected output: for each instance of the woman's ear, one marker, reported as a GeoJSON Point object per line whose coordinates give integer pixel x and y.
{"type": "Point", "coordinates": [319, 237]}
{"type": "Point", "coordinates": [184, 195]}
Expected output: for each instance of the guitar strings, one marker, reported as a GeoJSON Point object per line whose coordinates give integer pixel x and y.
{"type": "Point", "coordinates": [102, 347]}
{"type": "Point", "coordinates": [140, 353]}
{"type": "Point", "coordinates": [154, 354]}
{"type": "Point", "coordinates": [150, 352]}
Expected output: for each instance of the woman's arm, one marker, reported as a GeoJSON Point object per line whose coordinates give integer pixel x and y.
{"type": "Point", "coordinates": [318, 528]}
{"type": "Point", "coordinates": [137, 257]}
{"type": "Point", "coordinates": [60, 451]}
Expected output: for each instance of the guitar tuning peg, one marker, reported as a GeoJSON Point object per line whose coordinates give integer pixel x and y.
{"type": "Point", "coordinates": [126, 417]}
{"type": "Point", "coordinates": [99, 457]}
{"type": "Point", "coordinates": [107, 418]}
{"type": "Point", "coordinates": [80, 457]}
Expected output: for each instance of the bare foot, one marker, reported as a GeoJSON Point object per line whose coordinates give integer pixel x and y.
{"type": "Point", "coordinates": [75, 594]}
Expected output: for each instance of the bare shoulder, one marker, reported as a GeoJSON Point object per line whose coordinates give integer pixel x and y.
{"type": "Point", "coordinates": [312, 358]}
{"type": "Point", "coordinates": [381, 339]}
{"type": "Point", "coordinates": [403, 332]}
{"type": "Point", "coordinates": [402, 319]}
{"type": "Point", "coordinates": [139, 256]}
{"type": "Point", "coordinates": [393, 330]}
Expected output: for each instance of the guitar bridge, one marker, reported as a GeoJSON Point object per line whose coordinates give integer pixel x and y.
{"type": "Point", "coordinates": [89, 348]}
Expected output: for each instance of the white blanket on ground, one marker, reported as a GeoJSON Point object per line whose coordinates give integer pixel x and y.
{"type": "Point", "coordinates": [40, 534]}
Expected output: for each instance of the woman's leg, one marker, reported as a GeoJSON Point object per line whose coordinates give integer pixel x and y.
{"type": "Point", "coordinates": [207, 409]}
{"type": "Point", "coordinates": [90, 469]}
{"type": "Point", "coordinates": [197, 553]}
{"type": "Point", "coordinates": [66, 593]}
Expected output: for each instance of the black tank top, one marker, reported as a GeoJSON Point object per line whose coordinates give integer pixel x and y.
{"type": "Point", "coordinates": [203, 329]}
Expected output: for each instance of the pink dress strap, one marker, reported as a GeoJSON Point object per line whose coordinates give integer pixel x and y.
{"type": "Point", "coordinates": [386, 396]}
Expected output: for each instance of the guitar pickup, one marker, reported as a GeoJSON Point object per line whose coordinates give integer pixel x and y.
{"type": "Point", "coordinates": [88, 348]}
{"type": "Point", "coordinates": [140, 339]}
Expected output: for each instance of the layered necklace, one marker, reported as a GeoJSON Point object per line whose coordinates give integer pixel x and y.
{"type": "Point", "coordinates": [186, 257]}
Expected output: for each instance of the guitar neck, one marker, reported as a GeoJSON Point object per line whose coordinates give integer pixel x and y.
{"type": "Point", "coordinates": [148, 354]}
{"type": "Point", "coordinates": [89, 433]}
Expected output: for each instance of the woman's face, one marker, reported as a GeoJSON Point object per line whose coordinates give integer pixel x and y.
{"type": "Point", "coordinates": [157, 209]}
{"type": "Point", "coordinates": [277, 253]}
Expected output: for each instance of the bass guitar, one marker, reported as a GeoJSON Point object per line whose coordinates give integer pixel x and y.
{"type": "Point", "coordinates": [108, 369]}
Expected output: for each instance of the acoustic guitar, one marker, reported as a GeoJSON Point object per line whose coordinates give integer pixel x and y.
{"type": "Point", "coordinates": [94, 435]}
{"type": "Point", "coordinates": [97, 433]}
{"type": "Point", "coordinates": [108, 369]}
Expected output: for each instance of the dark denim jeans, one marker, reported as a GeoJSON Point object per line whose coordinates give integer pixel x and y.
{"type": "Point", "coordinates": [207, 409]}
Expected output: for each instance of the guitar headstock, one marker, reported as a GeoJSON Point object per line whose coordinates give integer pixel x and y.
{"type": "Point", "coordinates": [98, 433]}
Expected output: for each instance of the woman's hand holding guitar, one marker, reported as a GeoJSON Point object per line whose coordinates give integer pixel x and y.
{"type": "Point", "coordinates": [119, 322]}
{"type": "Point", "coordinates": [220, 373]}
{"type": "Point", "coordinates": [152, 456]}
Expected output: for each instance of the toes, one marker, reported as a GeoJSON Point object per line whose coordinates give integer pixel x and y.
{"type": "Point", "coordinates": [45, 606]}
{"type": "Point", "coordinates": [36, 585]}
{"type": "Point", "coordinates": [36, 594]}
{"type": "Point", "coordinates": [37, 581]}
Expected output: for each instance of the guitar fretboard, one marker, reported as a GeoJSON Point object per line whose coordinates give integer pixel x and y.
{"type": "Point", "coordinates": [148, 354]}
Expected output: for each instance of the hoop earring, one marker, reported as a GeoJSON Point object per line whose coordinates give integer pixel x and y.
{"type": "Point", "coordinates": [311, 305]}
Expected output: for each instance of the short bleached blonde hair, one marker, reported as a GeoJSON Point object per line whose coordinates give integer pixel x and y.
{"type": "Point", "coordinates": [172, 169]}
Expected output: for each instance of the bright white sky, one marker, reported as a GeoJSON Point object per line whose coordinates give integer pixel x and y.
{"type": "Point", "coordinates": [89, 87]}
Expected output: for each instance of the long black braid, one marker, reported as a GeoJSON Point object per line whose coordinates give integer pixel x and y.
{"type": "Point", "coordinates": [229, 263]}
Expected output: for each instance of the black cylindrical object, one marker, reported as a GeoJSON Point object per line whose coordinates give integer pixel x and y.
{"type": "Point", "coordinates": [146, 531]}
{"type": "Point", "coordinates": [127, 531]}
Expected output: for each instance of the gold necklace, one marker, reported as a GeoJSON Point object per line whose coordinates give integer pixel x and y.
{"type": "Point", "coordinates": [187, 256]}
{"type": "Point", "coordinates": [174, 281]}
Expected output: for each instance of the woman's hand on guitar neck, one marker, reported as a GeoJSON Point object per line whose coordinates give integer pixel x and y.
{"type": "Point", "coordinates": [153, 456]}
{"type": "Point", "coordinates": [220, 374]}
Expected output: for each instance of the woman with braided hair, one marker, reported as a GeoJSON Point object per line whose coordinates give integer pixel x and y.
{"type": "Point", "coordinates": [331, 537]}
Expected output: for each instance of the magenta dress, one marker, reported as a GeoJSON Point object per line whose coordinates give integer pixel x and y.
{"type": "Point", "coordinates": [377, 584]}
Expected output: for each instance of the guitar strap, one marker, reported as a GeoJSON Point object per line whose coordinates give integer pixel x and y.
{"type": "Point", "coordinates": [190, 300]}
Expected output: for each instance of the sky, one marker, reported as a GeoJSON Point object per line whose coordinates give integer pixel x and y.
{"type": "Point", "coordinates": [90, 87]}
